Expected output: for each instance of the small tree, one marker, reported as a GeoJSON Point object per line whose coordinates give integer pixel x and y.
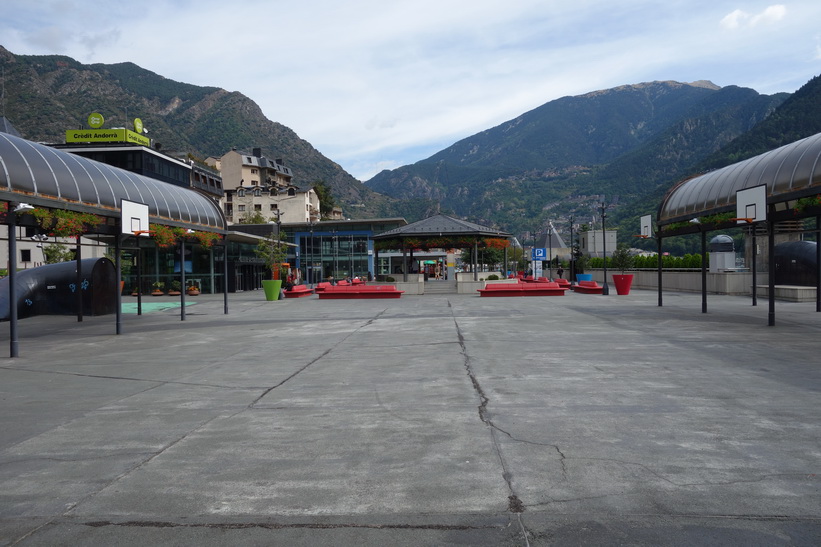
{"type": "Point", "coordinates": [272, 251]}
{"type": "Point", "coordinates": [621, 259]}
{"type": "Point", "coordinates": [57, 252]}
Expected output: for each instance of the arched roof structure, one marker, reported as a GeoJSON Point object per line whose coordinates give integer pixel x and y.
{"type": "Point", "coordinates": [789, 173]}
{"type": "Point", "coordinates": [48, 177]}
{"type": "Point", "coordinates": [439, 226]}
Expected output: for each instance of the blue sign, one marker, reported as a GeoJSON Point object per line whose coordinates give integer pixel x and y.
{"type": "Point", "coordinates": [539, 254]}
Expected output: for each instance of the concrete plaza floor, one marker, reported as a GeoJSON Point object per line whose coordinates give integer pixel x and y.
{"type": "Point", "coordinates": [428, 420]}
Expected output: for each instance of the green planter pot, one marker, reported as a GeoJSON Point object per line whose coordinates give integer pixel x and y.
{"type": "Point", "coordinates": [271, 288]}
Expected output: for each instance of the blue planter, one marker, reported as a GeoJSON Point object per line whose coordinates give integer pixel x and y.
{"type": "Point", "coordinates": [584, 277]}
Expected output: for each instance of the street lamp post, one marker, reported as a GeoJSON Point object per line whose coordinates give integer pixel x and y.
{"type": "Point", "coordinates": [550, 250]}
{"type": "Point", "coordinates": [336, 252]}
{"type": "Point", "coordinates": [12, 276]}
{"type": "Point", "coordinates": [572, 253]}
{"type": "Point", "coordinates": [605, 289]}
{"type": "Point", "coordinates": [309, 271]}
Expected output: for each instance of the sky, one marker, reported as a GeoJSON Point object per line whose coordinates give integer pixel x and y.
{"type": "Point", "coordinates": [376, 85]}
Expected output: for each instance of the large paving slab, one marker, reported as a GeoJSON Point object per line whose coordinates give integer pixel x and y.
{"type": "Point", "coordinates": [428, 420]}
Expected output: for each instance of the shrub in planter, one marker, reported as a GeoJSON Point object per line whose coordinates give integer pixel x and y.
{"type": "Point", "coordinates": [622, 260]}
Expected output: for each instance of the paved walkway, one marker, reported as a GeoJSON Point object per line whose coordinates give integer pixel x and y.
{"type": "Point", "coordinates": [428, 420]}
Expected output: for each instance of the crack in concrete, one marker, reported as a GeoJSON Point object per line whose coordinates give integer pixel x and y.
{"type": "Point", "coordinates": [132, 379]}
{"type": "Point", "coordinates": [515, 505]}
{"type": "Point", "coordinates": [283, 526]}
{"type": "Point", "coordinates": [316, 359]}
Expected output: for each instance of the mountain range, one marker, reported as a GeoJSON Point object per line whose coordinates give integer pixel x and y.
{"type": "Point", "coordinates": [623, 146]}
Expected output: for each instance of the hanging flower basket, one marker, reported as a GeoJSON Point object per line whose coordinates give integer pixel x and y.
{"type": "Point", "coordinates": [165, 236]}
{"type": "Point", "coordinates": [63, 223]}
{"type": "Point", "coordinates": [206, 239]}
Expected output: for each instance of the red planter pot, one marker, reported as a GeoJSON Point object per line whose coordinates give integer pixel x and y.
{"type": "Point", "coordinates": [623, 282]}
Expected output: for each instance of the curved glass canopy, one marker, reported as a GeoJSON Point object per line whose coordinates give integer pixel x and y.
{"type": "Point", "coordinates": [54, 178]}
{"type": "Point", "coordinates": [789, 172]}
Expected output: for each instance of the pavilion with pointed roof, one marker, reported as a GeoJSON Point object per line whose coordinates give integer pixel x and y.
{"type": "Point", "coordinates": [441, 232]}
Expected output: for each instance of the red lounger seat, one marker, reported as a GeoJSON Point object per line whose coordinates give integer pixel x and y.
{"type": "Point", "coordinates": [298, 291]}
{"type": "Point", "coordinates": [588, 287]}
{"type": "Point", "coordinates": [360, 291]}
{"type": "Point", "coordinates": [522, 289]}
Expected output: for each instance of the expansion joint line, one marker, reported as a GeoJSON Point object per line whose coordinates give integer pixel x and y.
{"type": "Point", "coordinates": [514, 505]}
{"type": "Point", "coordinates": [316, 359]}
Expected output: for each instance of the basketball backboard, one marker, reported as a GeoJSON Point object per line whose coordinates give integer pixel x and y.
{"type": "Point", "coordinates": [646, 226]}
{"type": "Point", "coordinates": [134, 218]}
{"type": "Point", "coordinates": [751, 205]}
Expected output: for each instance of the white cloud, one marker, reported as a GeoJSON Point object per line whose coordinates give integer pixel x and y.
{"type": "Point", "coordinates": [374, 84]}
{"type": "Point", "coordinates": [738, 19]}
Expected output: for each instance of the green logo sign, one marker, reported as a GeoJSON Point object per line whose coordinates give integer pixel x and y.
{"type": "Point", "coordinates": [95, 120]}
{"type": "Point", "coordinates": [138, 125]}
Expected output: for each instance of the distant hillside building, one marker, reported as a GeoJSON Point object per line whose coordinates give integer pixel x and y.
{"type": "Point", "coordinates": [255, 184]}
{"type": "Point", "coordinates": [150, 162]}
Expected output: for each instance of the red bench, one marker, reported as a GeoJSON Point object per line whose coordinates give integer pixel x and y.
{"type": "Point", "coordinates": [522, 289]}
{"type": "Point", "coordinates": [588, 287]}
{"type": "Point", "coordinates": [562, 282]}
{"type": "Point", "coordinates": [360, 291]}
{"type": "Point", "coordinates": [322, 286]}
{"type": "Point", "coordinates": [298, 291]}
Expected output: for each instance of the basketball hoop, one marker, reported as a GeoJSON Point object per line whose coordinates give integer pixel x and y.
{"type": "Point", "coordinates": [747, 220]}
{"type": "Point", "coordinates": [642, 236]}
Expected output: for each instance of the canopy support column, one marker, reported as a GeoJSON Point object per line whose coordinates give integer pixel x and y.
{"type": "Point", "coordinates": [771, 271]}
{"type": "Point", "coordinates": [659, 270]}
{"type": "Point", "coordinates": [703, 271]}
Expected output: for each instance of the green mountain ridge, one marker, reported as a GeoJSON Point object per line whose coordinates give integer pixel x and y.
{"type": "Point", "coordinates": [46, 95]}
{"type": "Point", "coordinates": [626, 145]}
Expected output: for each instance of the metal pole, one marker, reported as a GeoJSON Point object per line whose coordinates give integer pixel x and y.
{"type": "Point", "coordinates": [703, 271]}
{"type": "Point", "coordinates": [771, 273]}
{"type": "Point", "coordinates": [659, 269]}
{"type": "Point", "coordinates": [550, 253]}
{"type": "Point", "coordinates": [404, 261]}
{"type": "Point", "coordinates": [119, 299]}
{"type": "Point", "coordinates": [182, 278]}
{"type": "Point", "coordinates": [572, 253]}
{"type": "Point", "coordinates": [476, 259]}
{"type": "Point", "coordinates": [818, 263]}
{"type": "Point", "coordinates": [139, 278]}
{"type": "Point", "coordinates": [13, 345]}
{"type": "Point", "coordinates": [79, 282]}
{"type": "Point", "coordinates": [225, 276]}
{"type": "Point", "coordinates": [605, 289]}
{"type": "Point", "coordinates": [755, 268]}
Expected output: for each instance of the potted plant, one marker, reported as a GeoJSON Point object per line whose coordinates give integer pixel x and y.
{"type": "Point", "coordinates": [272, 251]}
{"type": "Point", "coordinates": [176, 286]}
{"type": "Point", "coordinates": [193, 289]}
{"type": "Point", "coordinates": [157, 288]}
{"type": "Point", "coordinates": [622, 260]}
{"type": "Point", "coordinates": [581, 264]}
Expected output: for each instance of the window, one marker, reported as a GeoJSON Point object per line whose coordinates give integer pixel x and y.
{"type": "Point", "coordinates": [240, 193]}
{"type": "Point", "coordinates": [258, 207]}
{"type": "Point", "coordinates": [291, 192]}
{"type": "Point", "coordinates": [257, 192]}
{"type": "Point", "coordinates": [254, 171]}
{"type": "Point", "coordinates": [273, 207]}
{"type": "Point", "coordinates": [241, 208]}
{"type": "Point", "coordinates": [25, 255]}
